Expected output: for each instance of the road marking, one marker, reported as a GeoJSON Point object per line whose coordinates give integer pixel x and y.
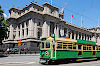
{"type": "Point", "coordinates": [30, 62]}
{"type": "Point", "coordinates": [17, 63]}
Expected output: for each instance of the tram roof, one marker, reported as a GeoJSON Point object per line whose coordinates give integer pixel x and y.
{"type": "Point", "coordinates": [62, 39]}
{"type": "Point", "coordinates": [86, 42]}
{"type": "Point", "coordinates": [98, 44]}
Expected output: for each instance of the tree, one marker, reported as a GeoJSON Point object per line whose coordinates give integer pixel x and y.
{"type": "Point", "coordinates": [3, 26]}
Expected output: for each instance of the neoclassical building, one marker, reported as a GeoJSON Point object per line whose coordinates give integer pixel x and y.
{"type": "Point", "coordinates": [34, 22]}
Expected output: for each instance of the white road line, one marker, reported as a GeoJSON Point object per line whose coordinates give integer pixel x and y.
{"type": "Point", "coordinates": [30, 62]}
{"type": "Point", "coordinates": [17, 63]}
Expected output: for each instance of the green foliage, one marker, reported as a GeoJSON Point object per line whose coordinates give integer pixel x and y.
{"type": "Point", "coordinates": [3, 26]}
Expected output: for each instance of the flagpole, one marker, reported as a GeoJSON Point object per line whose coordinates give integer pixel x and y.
{"type": "Point", "coordinates": [51, 2]}
{"type": "Point", "coordinates": [98, 22]}
{"type": "Point", "coordinates": [71, 18]}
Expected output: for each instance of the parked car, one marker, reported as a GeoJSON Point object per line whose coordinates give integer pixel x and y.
{"type": "Point", "coordinates": [13, 50]}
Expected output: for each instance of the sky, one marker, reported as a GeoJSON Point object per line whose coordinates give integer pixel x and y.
{"type": "Point", "coordinates": [86, 12]}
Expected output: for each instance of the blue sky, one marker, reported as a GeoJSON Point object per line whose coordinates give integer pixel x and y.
{"type": "Point", "coordinates": [89, 10]}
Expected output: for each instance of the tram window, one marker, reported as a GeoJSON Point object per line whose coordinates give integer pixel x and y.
{"type": "Point", "coordinates": [42, 44]}
{"type": "Point", "coordinates": [79, 46]}
{"type": "Point", "coordinates": [97, 47]}
{"type": "Point", "coordinates": [53, 46]}
{"type": "Point", "coordinates": [93, 47]}
{"type": "Point", "coordinates": [47, 44]}
{"type": "Point", "coordinates": [59, 46]}
{"type": "Point", "coordinates": [74, 46]}
{"type": "Point", "coordinates": [69, 46]}
{"type": "Point", "coordinates": [89, 48]}
{"type": "Point", "coordinates": [84, 47]}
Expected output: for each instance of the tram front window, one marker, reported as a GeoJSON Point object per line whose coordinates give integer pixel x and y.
{"type": "Point", "coordinates": [42, 44]}
{"type": "Point", "coordinates": [47, 44]}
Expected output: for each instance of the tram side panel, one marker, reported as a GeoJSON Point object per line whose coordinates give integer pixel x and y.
{"type": "Point", "coordinates": [65, 54]}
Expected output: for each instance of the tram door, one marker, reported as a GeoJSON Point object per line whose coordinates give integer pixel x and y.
{"type": "Point", "coordinates": [93, 50]}
{"type": "Point", "coordinates": [79, 50]}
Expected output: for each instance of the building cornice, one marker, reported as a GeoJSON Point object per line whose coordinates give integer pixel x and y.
{"type": "Point", "coordinates": [48, 4]}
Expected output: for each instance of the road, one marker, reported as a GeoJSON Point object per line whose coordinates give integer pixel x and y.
{"type": "Point", "coordinates": [33, 60]}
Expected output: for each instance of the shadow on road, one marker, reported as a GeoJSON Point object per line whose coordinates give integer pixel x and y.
{"type": "Point", "coordinates": [3, 55]}
{"type": "Point", "coordinates": [68, 62]}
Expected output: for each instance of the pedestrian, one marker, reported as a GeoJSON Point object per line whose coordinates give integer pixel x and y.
{"type": "Point", "coordinates": [25, 50]}
{"type": "Point", "coordinates": [8, 51]}
{"type": "Point", "coordinates": [35, 52]}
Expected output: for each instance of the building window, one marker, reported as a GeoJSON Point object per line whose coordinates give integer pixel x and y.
{"type": "Point", "coordinates": [52, 27]}
{"type": "Point", "coordinates": [27, 30]}
{"type": "Point", "coordinates": [27, 23]}
{"type": "Point", "coordinates": [23, 25]}
{"type": "Point", "coordinates": [69, 34]}
{"type": "Point", "coordinates": [79, 36]}
{"type": "Point", "coordinates": [90, 37]}
{"type": "Point", "coordinates": [85, 36]}
{"type": "Point", "coordinates": [76, 36]}
{"type": "Point", "coordinates": [8, 33]}
{"type": "Point", "coordinates": [19, 33]}
{"type": "Point", "coordinates": [65, 31]}
{"type": "Point", "coordinates": [59, 33]}
{"type": "Point", "coordinates": [82, 36]}
{"type": "Point", "coordinates": [23, 32]}
{"type": "Point", "coordinates": [39, 24]}
{"type": "Point", "coordinates": [72, 34]}
{"type": "Point", "coordinates": [18, 26]}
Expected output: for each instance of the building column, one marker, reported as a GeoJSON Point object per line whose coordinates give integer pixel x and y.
{"type": "Point", "coordinates": [30, 29]}
{"type": "Point", "coordinates": [83, 36]}
{"type": "Point", "coordinates": [77, 35]}
{"type": "Point", "coordinates": [57, 30]}
{"type": "Point", "coordinates": [93, 38]}
{"type": "Point", "coordinates": [71, 35]}
{"type": "Point", "coordinates": [25, 30]}
{"type": "Point", "coordinates": [98, 39]}
{"type": "Point", "coordinates": [17, 34]}
{"type": "Point", "coordinates": [20, 31]}
{"type": "Point", "coordinates": [35, 29]}
{"type": "Point", "coordinates": [45, 30]}
{"type": "Point", "coordinates": [62, 31]}
{"type": "Point", "coordinates": [74, 35]}
{"type": "Point", "coordinates": [11, 32]}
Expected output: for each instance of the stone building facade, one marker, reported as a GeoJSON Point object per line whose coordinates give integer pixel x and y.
{"type": "Point", "coordinates": [34, 22]}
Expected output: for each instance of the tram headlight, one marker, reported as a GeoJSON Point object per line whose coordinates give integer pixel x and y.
{"type": "Point", "coordinates": [46, 53]}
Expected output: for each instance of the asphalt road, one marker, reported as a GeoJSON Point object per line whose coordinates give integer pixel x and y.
{"type": "Point", "coordinates": [33, 60]}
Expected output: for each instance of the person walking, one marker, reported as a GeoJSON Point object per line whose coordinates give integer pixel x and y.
{"type": "Point", "coordinates": [8, 51]}
{"type": "Point", "coordinates": [25, 50]}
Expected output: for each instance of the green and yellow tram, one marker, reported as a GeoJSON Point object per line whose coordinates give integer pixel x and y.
{"type": "Point", "coordinates": [67, 49]}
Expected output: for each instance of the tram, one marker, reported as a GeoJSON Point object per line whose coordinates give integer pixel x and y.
{"type": "Point", "coordinates": [62, 48]}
